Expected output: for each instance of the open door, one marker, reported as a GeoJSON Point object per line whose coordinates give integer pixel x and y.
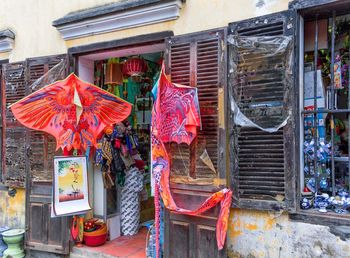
{"type": "Point", "coordinates": [43, 233]}
{"type": "Point", "coordinates": [198, 170]}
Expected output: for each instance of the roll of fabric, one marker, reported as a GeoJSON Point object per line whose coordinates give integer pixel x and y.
{"type": "Point", "coordinates": [130, 203]}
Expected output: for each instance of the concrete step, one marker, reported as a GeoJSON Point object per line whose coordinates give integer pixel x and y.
{"type": "Point", "coordinates": [73, 255]}
{"type": "Point", "coordinates": [81, 252]}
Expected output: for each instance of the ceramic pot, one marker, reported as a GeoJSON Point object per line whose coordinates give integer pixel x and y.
{"type": "Point", "coordinates": [14, 240]}
{"type": "Point", "coordinates": [3, 246]}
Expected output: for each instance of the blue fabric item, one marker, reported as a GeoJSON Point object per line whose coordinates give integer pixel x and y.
{"type": "Point", "coordinates": [87, 154]}
{"type": "Point", "coordinates": [128, 143]}
{"type": "Point", "coordinates": [98, 157]}
{"type": "Point", "coordinates": [155, 87]}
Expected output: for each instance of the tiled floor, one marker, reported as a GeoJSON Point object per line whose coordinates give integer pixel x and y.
{"type": "Point", "coordinates": [124, 246]}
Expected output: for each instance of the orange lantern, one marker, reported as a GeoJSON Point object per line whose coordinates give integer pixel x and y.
{"type": "Point", "coordinates": [135, 67]}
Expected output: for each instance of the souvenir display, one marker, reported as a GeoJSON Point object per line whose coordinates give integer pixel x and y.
{"type": "Point", "coordinates": [123, 150]}
{"type": "Point", "coordinates": [326, 143]}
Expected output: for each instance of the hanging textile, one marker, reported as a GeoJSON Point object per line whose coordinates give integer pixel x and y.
{"type": "Point", "coordinates": [175, 118]}
{"type": "Point", "coordinates": [130, 203]}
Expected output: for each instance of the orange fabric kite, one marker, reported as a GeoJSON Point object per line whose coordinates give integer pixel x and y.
{"type": "Point", "coordinates": [73, 111]}
{"type": "Point", "coordinates": [175, 118]}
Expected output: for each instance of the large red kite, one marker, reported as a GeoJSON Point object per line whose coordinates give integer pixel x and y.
{"type": "Point", "coordinates": [73, 111]}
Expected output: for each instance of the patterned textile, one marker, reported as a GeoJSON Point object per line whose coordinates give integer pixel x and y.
{"type": "Point", "coordinates": [118, 167]}
{"type": "Point", "coordinates": [130, 203]}
{"type": "Point", "coordinates": [107, 151]}
{"type": "Point", "coordinates": [73, 111]}
{"type": "Point", "coordinates": [175, 118]}
{"type": "Point", "coordinates": [176, 112]}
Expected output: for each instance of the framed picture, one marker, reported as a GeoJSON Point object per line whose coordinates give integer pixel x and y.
{"type": "Point", "coordinates": [70, 193]}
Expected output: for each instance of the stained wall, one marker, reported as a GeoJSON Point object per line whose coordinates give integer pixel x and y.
{"type": "Point", "coordinates": [12, 209]}
{"type": "Point", "coordinates": [251, 233]}
{"type": "Point", "coordinates": [273, 235]}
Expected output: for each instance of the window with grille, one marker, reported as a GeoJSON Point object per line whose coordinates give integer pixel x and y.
{"type": "Point", "coordinates": [325, 113]}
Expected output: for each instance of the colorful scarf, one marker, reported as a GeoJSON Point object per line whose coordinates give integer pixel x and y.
{"type": "Point", "coordinates": [175, 118]}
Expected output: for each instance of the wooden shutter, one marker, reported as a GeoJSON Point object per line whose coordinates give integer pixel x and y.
{"type": "Point", "coordinates": [14, 134]}
{"type": "Point", "coordinates": [43, 232]}
{"type": "Point", "coordinates": [42, 145]}
{"type": "Point", "coordinates": [198, 60]}
{"type": "Point", "coordinates": [262, 163]}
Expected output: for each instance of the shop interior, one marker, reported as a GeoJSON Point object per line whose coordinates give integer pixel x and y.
{"type": "Point", "coordinates": [325, 173]}
{"type": "Point", "coordinates": [120, 181]}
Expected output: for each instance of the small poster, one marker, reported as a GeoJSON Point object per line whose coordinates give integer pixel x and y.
{"type": "Point", "coordinates": [70, 193]}
{"type": "Point", "coordinates": [337, 75]}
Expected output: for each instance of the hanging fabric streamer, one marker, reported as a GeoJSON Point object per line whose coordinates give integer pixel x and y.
{"type": "Point", "coordinates": [175, 118]}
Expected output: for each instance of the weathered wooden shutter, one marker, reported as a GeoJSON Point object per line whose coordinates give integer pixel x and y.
{"type": "Point", "coordinates": [14, 134]}
{"type": "Point", "coordinates": [42, 145]}
{"type": "Point", "coordinates": [262, 163]}
{"type": "Point", "coordinates": [198, 60]}
{"type": "Point", "coordinates": [43, 233]}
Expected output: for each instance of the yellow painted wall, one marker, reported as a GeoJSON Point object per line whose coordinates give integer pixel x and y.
{"type": "Point", "coordinates": [12, 209]}
{"type": "Point", "coordinates": [250, 233]}
{"type": "Point", "coordinates": [262, 234]}
{"type": "Point", "coordinates": [35, 36]}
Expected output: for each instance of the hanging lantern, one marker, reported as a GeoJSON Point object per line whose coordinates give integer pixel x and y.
{"type": "Point", "coordinates": [114, 74]}
{"type": "Point", "coordinates": [135, 67]}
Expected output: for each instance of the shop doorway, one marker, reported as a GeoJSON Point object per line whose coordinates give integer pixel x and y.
{"type": "Point", "coordinates": [123, 196]}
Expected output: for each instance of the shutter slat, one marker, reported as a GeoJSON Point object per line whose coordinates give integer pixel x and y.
{"type": "Point", "coordinates": [263, 30]}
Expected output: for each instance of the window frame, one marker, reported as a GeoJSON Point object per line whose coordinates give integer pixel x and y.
{"type": "Point", "coordinates": [306, 8]}
{"type": "Point", "coordinates": [2, 121]}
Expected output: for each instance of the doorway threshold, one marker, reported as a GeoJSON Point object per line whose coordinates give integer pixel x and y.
{"type": "Point", "coordinates": [121, 247]}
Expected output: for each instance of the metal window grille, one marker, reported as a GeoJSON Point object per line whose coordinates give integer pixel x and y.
{"type": "Point", "coordinates": [320, 158]}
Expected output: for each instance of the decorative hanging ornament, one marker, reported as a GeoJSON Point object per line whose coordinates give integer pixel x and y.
{"type": "Point", "coordinates": [114, 74]}
{"type": "Point", "coordinates": [135, 67]}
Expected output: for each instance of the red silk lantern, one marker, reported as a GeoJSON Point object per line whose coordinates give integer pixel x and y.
{"type": "Point", "coordinates": [135, 67]}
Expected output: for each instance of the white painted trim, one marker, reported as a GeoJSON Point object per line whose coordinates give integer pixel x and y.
{"type": "Point", "coordinates": [124, 20]}
{"type": "Point", "coordinates": [6, 44]}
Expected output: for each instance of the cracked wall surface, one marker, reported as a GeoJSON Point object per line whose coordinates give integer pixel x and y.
{"type": "Point", "coordinates": [264, 234]}
{"type": "Point", "coordinates": [12, 209]}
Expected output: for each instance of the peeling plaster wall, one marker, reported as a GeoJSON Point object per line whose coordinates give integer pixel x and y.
{"type": "Point", "coordinates": [251, 233]}
{"type": "Point", "coordinates": [263, 234]}
{"type": "Point", "coordinates": [12, 209]}
{"type": "Point", "coordinates": [31, 21]}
